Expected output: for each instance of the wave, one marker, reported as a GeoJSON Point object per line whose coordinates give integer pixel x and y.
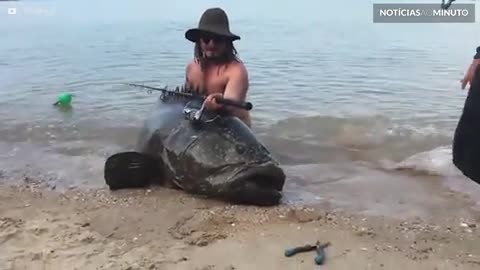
{"type": "Point", "coordinates": [436, 162]}
{"type": "Point", "coordinates": [369, 138]}
{"type": "Point", "coordinates": [419, 145]}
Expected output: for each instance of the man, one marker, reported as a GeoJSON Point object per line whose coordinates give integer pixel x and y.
{"type": "Point", "coordinates": [215, 69]}
{"type": "Point", "coordinates": [471, 69]}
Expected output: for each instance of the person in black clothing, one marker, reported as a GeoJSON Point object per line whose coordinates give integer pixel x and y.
{"type": "Point", "coordinates": [466, 143]}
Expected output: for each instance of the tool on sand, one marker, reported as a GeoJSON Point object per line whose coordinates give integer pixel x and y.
{"type": "Point", "coordinates": [318, 247]}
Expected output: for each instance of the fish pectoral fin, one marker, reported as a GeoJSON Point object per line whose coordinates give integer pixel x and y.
{"type": "Point", "coordinates": [131, 170]}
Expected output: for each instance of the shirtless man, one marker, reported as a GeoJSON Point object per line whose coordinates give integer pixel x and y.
{"type": "Point", "coordinates": [215, 69]}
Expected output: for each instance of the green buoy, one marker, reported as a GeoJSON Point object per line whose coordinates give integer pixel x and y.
{"type": "Point", "coordinates": [64, 99]}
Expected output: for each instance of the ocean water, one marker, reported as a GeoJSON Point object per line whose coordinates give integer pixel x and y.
{"type": "Point", "coordinates": [338, 99]}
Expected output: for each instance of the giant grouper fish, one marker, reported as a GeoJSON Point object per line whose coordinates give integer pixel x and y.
{"type": "Point", "coordinates": [466, 140]}
{"type": "Point", "coordinates": [213, 154]}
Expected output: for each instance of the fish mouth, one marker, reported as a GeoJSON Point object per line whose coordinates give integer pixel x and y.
{"type": "Point", "coordinates": [259, 185]}
{"type": "Point", "coordinates": [265, 176]}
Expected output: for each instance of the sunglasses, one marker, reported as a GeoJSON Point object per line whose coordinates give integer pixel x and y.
{"type": "Point", "coordinates": [216, 39]}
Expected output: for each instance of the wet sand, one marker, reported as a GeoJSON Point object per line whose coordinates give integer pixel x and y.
{"type": "Point", "coordinates": [165, 229]}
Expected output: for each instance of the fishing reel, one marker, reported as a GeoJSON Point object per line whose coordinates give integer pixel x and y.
{"type": "Point", "coordinates": [197, 116]}
{"type": "Point", "coordinates": [193, 114]}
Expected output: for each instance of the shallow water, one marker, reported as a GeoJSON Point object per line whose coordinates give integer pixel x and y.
{"type": "Point", "coordinates": [328, 87]}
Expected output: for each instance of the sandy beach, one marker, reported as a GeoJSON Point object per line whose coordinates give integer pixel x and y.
{"type": "Point", "coordinates": [165, 229]}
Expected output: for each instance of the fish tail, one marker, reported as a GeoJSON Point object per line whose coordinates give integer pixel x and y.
{"type": "Point", "coordinates": [131, 170]}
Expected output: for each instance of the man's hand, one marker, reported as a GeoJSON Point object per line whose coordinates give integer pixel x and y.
{"type": "Point", "coordinates": [464, 82]}
{"type": "Point", "coordinates": [469, 75]}
{"type": "Point", "coordinates": [211, 103]}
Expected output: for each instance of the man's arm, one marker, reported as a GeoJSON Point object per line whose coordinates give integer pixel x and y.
{"type": "Point", "coordinates": [236, 89]}
{"type": "Point", "coordinates": [188, 69]}
{"type": "Point", "coordinates": [470, 73]}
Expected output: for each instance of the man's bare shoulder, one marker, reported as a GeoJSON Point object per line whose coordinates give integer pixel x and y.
{"type": "Point", "coordinates": [191, 65]}
{"type": "Point", "coordinates": [238, 70]}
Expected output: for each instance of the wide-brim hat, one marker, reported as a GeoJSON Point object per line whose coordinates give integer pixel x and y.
{"type": "Point", "coordinates": [213, 21]}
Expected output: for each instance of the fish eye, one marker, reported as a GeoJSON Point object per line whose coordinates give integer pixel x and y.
{"type": "Point", "coordinates": [240, 148]}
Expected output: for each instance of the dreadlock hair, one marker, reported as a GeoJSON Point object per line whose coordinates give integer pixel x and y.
{"type": "Point", "coordinates": [230, 55]}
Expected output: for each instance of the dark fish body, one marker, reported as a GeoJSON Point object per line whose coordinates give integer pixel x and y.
{"type": "Point", "coordinates": [218, 157]}
{"type": "Point", "coordinates": [466, 141]}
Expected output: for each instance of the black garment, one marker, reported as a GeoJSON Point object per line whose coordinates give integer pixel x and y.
{"type": "Point", "coordinates": [466, 140]}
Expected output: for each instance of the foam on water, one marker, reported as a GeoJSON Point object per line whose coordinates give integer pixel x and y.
{"type": "Point", "coordinates": [437, 161]}
{"type": "Point", "coordinates": [52, 169]}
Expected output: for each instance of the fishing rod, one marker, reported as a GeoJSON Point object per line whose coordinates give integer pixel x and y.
{"type": "Point", "coordinates": [181, 92]}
